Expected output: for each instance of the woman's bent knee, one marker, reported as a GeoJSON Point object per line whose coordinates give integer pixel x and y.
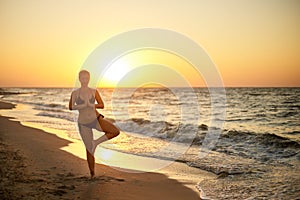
{"type": "Point", "coordinates": [113, 134]}
{"type": "Point", "coordinates": [116, 133]}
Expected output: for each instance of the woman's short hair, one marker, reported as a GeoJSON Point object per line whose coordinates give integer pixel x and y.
{"type": "Point", "coordinates": [82, 72]}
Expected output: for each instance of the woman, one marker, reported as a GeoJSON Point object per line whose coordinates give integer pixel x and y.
{"type": "Point", "coordinates": [83, 100]}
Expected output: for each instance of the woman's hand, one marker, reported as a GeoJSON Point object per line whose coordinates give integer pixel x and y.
{"type": "Point", "coordinates": [73, 105]}
{"type": "Point", "coordinates": [88, 104]}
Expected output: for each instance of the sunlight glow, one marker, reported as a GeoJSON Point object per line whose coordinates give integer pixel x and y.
{"type": "Point", "coordinates": [124, 66]}
{"type": "Point", "coordinates": [117, 70]}
{"type": "Point", "coordinates": [105, 154]}
{"type": "Point", "coordinates": [258, 44]}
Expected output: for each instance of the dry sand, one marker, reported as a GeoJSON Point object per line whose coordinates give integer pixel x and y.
{"type": "Point", "coordinates": [33, 166]}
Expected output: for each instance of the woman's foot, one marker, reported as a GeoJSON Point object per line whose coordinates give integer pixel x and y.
{"type": "Point", "coordinates": [92, 174]}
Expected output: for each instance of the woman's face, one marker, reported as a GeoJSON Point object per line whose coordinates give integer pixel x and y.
{"type": "Point", "coordinates": [84, 79]}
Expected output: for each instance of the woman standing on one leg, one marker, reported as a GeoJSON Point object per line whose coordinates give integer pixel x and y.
{"type": "Point", "coordinates": [86, 100]}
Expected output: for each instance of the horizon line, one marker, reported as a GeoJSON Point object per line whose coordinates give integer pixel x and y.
{"type": "Point", "coordinates": [66, 87]}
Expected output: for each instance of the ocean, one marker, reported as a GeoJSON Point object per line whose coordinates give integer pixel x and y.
{"type": "Point", "coordinates": [256, 153]}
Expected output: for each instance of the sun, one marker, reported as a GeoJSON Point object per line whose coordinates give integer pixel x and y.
{"type": "Point", "coordinates": [116, 71]}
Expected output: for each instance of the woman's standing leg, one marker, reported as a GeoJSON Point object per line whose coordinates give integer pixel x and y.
{"type": "Point", "coordinates": [91, 163]}
{"type": "Point", "coordinates": [86, 134]}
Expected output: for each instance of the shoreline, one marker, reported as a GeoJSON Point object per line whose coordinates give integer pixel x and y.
{"type": "Point", "coordinates": [50, 172]}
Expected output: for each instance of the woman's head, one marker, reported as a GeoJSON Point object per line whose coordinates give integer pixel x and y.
{"type": "Point", "coordinates": [84, 77]}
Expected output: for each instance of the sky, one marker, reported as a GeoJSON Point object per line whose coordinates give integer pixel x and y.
{"type": "Point", "coordinates": [253, 43]}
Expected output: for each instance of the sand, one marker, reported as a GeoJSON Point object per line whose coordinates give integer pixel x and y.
{"type": "Point", "coordinates": [34, 166]}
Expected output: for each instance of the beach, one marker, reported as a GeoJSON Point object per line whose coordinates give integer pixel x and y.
{"type": "Point", "coordinates": [33, 166]}
{"type": "Point", "coordinates": [256, 155]}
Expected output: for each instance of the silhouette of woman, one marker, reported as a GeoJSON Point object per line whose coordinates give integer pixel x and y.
{"type": "Point", "coordinates": [87, 100]}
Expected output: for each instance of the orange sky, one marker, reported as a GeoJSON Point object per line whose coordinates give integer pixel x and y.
{"type": "Point", "coordinates": [252, 42]}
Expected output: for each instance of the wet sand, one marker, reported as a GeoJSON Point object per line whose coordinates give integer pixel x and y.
{"type": "Point", "coordinates": [33, 166]}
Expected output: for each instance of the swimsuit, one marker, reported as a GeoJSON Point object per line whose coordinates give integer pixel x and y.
{"type": "Point", "coordinates": [80, 101]}
{"type": "Point", "coordinates": [93, 123]}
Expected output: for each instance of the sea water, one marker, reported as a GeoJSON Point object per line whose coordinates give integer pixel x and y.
{"type": "Point", "coordinates": [256, 155]}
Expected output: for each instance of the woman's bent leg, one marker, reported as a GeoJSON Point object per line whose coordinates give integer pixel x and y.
{"type": "Point", "coordinates": [108, 128]}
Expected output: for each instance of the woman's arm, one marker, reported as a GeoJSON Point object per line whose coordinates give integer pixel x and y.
{"type": "Point", "coordinates": [72, 105]}
{"type": "Point", "coordinates": [98, 98]}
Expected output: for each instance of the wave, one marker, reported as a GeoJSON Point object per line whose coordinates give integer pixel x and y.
{"type": "Point", "coordinates": [292, 101]}
{"type": "Point", "coordinates": [266, 139]}
{"type": "Point", "coordinates": [287, 114]}
{"type": "Point", "coordinates": [160, 129]}
{"type": "Point", "coordinates": [262, 147]}
{"type": "Point", "coordinates": [293, 132]}
{"type": "Point", "coordinates": [9, 92]}
{"type": "Point", "coordinates": [239, 120]}
{"type": "Point", "coordinates": [246, 144]}
{"type": "Point", "coordinates": [57, 115]}
{"type": "Point", "coordinates": [54, 105]}
{"type": "Point", "coordinates": [265, 147]}
{"type": "Point", "coordinates": [49, 109]}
